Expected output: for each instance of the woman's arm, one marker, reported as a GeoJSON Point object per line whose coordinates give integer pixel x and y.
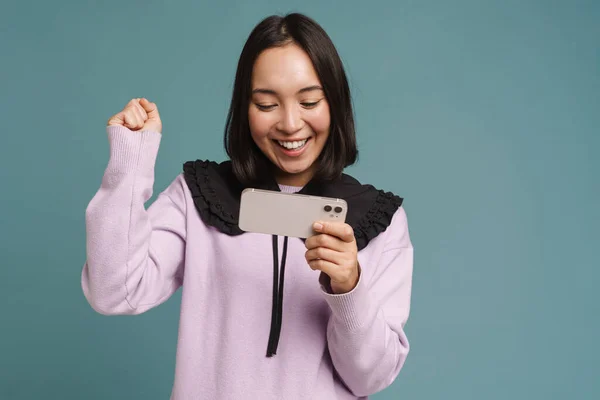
{"type": "Point", "coordinates": [134, 256]}
{"type": "Point", "coordinates": [365, 333]}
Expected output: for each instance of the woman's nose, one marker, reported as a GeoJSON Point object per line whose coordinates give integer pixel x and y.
{"type": "Point", "coordinates": [290, 121]}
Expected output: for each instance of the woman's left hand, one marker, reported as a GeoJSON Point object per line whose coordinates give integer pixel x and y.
{"type": "Point", "coordinates": [333, 251]}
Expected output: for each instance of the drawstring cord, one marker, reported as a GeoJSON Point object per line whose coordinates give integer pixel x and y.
{"type": "Point", "coordinates": [277, 308]}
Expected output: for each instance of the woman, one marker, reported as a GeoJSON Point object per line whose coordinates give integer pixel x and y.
{"type": "Point", "coordinates": [336, 333]}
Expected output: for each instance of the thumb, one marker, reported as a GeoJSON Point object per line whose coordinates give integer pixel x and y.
{"type": "Point", "coordinates": [150, 108]}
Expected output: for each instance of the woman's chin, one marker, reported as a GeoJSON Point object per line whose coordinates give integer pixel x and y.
{"type": "Point", "coordinates": [297, 171]}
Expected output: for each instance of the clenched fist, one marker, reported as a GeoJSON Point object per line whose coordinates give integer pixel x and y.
{"type": "Point", "coordinates": [138, 114]}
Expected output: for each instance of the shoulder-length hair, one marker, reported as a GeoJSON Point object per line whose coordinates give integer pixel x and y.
{"type": "Point", "coordinates": [248, 162]}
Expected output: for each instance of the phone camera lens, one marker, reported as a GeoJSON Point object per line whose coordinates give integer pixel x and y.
{"type": "Point", "coordinates": [338, 210]}
{"type": "Point", "coordinates": [327, 208]}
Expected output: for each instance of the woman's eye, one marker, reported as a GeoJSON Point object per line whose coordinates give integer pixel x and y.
{"type": "Point", "coordinates": [310, 104]}
{"type": "Point", "coordinates": [265, 107]}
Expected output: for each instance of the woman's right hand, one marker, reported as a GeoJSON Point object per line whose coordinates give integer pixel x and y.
{"type": "Point", "coordinates": [138, 114]}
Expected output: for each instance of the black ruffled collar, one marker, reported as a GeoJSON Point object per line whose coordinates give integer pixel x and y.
{"type": "Point", "coordinates": [216, 193]}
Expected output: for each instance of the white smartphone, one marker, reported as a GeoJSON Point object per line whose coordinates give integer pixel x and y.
{"type": "Point", "coordinates": [287, 214]}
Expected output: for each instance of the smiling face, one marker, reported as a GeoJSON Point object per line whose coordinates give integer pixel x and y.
{"type": "Point", "coordinates": [288, 113]}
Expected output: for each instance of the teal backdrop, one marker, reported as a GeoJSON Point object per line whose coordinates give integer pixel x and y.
{"type": "Point", "coordinates": [484, 115]}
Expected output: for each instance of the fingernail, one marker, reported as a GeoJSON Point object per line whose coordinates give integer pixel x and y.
{"type": "Point", "coordinates": [318, 226]}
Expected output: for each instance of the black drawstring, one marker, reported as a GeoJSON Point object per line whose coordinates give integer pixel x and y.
{"type": "Point", "coordinates": [277, 310]}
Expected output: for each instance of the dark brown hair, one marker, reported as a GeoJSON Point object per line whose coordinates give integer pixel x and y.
{"type": "Point", "coordinates": [248, 162]}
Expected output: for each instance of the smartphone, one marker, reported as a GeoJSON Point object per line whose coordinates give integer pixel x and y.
{"type": "Point", "coordinates": [287, 214]}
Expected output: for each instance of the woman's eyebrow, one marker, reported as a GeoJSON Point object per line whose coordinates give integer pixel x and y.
{"type": "Point", "coordinates": [303, 90]}
{"type": "Point", "coordinates": [310, 88]}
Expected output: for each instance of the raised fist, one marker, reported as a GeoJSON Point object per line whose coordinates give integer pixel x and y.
{"type": "Point", "coordinates": [138, 114]}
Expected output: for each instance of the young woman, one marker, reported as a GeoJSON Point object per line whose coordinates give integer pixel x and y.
{"type": "Point", "coordinates": [320, 319]}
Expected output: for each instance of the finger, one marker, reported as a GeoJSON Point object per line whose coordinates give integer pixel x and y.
{"type": "Point", "coordinates": [338, 229]}
{"type": "Point", "coordinates": [117, 119]}
{"type": "Point", "coordinates": [322, 253]}
{"type": "Point", "coordinates": [325, 266]}
{"type": "Point", "coordinates": [140, 112]}
{"type": "Point", "coordinates": [150, 108]}
{"type": "Point", "coordinates": [134, 105]}
{"type": "Point", "coordinates": [132, 102]}
{"type": "Point", "coordinates": [324, 240]}
{"type": "Point", "coordinates": [138, 117]}
{"type": "Point", "coordinates": [131, 120]}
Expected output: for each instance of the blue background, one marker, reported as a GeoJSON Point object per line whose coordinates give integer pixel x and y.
{"type": "Point", "coordinates": [484, 115]}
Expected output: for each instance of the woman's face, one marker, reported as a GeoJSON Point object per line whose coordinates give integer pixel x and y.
{"type": "Point", "coordinates": [288, 113]}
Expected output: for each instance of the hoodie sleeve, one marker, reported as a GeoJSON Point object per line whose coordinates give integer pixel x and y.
{"type": "Point", "coordinates": [365, 332]}
{"type": "Point", "coordinates": [134, 255]}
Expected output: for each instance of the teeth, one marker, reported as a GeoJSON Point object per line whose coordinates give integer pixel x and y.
{"type": "Point", "coordinates": [292, 145]}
